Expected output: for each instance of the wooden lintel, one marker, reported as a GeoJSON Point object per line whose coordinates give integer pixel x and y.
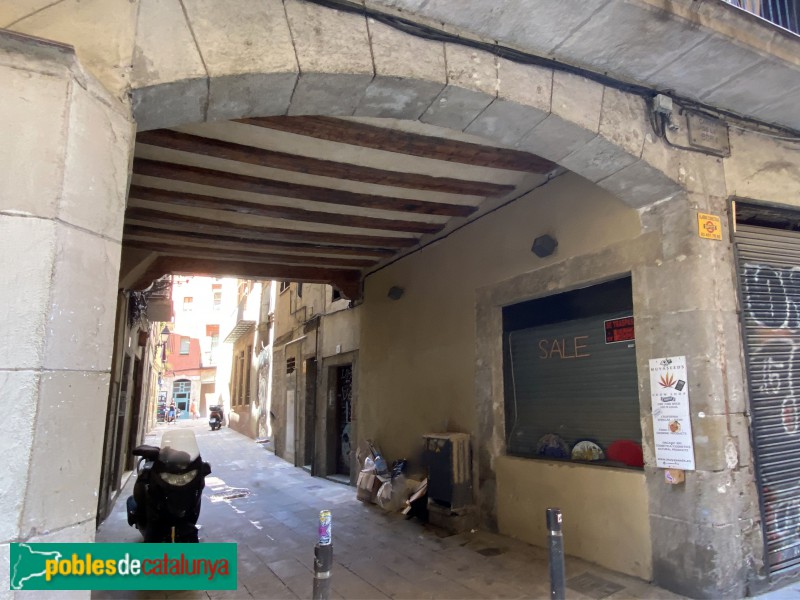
{"type": "Point", "coordinates": [185, 142]}
{"type": "Point", "coordinates": [213, 252]}
{"type": "Point", "coordinates": [264, 233]}
{"type": "Point", "coordinates": [244, 241]}
{"type": "Point", "coordinates": [199, 201]}
{"type": "Point", "coordinates": [272, 187]}
{"type": "Point", "coordinates": [348, 282]}
{"type": "Point", "coordinates": [402, 142]}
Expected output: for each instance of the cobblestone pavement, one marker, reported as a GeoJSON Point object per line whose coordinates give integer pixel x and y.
{"type": "Point", "coordinates": [273, 519]}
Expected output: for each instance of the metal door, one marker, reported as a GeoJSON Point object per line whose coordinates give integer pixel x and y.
{"type": "Point", "coordinates": [769, 275]}
{"type": "Point", "coordinates": [181, 395]}
{"type": "Point", "coordinates": [344, 416]}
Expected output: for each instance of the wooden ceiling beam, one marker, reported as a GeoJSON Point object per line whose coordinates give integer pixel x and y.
{"type": "Point", "coordinates": [347, 281]}
{"type": "Point", "coordinates": [212, 252]}
{"type": "Point", "coordinates": [173, 235]}
{"type": "Point", "coordinates": [195, 144]}
{"type": "Point", "coordinates": [271, 187]}
{"type": "Point", "coordinates": [212, 226]}
{"type": "Point", "coordinates": [291, 213]}
{"type": "Point", "coordinates": [403, 142]}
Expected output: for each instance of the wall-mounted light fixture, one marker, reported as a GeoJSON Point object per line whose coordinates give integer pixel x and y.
{"type": "Point", "coordinates": [544, 245]}
{"type": "Point", "coordinates": [163, 344]}
{"type": "Point", "coordinates": [395, 292]}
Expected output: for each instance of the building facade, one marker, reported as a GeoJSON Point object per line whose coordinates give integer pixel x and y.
{"type": "Point", "coordinates": [315, 379]}
{"type": "Point", "coordinates": [248, 343]}
{"type": "Point", "coordinates": [135, 384]}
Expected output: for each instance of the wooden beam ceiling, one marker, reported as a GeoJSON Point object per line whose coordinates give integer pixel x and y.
{"type": "Point", "coordinates": [171, 198]}
{"type": "Point", "coordinates": [299, 198]}
{"type": "Point", "coordinates": [243, 240]}
{"type": "Point", "coordinates": [175, 140]}
{"type": "Point", "coordinates": [146, 215]}
{"type": "Point", "coordinates": [392, 140]}
{"type": "Point", "coordinates": [271, 187]}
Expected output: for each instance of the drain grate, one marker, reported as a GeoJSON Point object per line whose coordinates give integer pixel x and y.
{"type": "Point", "coordinates": [491, 551]}
{"type": "Point", "coordinates": [593, 586]}
{"type": "Point", "coordinates": [230, 494]}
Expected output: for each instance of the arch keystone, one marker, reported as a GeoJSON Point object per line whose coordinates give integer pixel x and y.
{"type": "Point", "coordinates": [471, 87]}
{"type": "Point", "coordinates": [409, 74]}
{"type": "Point", "coordinates": [335, 59]}
{"type": "Point", "coordinates": [248, 51]}
{"type": "Point", "coordinates": [523, 100]}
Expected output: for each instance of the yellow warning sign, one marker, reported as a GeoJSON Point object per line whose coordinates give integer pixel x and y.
{"type": "Point", "coordinates": [709, 226]}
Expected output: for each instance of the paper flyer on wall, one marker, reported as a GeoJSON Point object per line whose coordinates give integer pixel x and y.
{"type": "Point", "coordinates": [672, 423]}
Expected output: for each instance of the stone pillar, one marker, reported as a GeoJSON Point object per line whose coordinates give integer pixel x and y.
{"type": "Point", "coordinates": [64, 165]}
{"type": "Point", "coordinates": [706, 532]}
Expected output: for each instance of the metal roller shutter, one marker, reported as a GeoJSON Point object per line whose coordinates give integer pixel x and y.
{"type": "Point", "coordinates": [565, 379]}
{"type": "Point", "coordinates": [769, 274]}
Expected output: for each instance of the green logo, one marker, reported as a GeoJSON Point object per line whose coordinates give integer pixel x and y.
{"type": "Point", "coordinates": [122, 566]}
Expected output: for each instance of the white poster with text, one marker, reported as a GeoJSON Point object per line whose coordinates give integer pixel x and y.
{"type": "Point", "coordinates": [672, 423]}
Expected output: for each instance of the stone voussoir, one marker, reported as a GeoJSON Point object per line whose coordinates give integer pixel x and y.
{"type": "Point", "coordinates": [169, 79]}
{"type": "Point", "coordinates": [334, 56]}
{"type": "Point", "coordinates": [471, 87]}
{"type": "Point", "coordinates": [409, 74]}
{"type": "Point", "coordinates": [524, 94]}
{"type": "Point", "coordinates": [248, 51]}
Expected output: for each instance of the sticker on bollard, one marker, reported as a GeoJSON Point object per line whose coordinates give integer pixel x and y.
{"type": "Point", "coordinates": [323, 558]}
{"type": "Point", "coordinates": [324, 527]}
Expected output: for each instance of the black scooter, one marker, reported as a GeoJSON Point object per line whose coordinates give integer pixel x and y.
{"type": "Point", "coordinates": [215, 416]}
{"type": "Point", "coordinates": [165, 504]}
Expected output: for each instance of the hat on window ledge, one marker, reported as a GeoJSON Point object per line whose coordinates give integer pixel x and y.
{"type": "Point", "coordinates": [626, 452]}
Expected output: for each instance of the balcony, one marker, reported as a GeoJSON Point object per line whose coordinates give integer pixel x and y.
{"type": "Point", "coordinates": [783, 13]}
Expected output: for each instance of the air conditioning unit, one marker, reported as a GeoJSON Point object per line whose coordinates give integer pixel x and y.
{"type": "Point", "coordinates": [448, 459]}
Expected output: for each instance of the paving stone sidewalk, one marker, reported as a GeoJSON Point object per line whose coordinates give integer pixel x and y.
{"type": "Point", "coordinates": [270, 509]}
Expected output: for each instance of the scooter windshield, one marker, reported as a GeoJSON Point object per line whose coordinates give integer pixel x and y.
{"type": "Point", "coordinates": [178, 449]}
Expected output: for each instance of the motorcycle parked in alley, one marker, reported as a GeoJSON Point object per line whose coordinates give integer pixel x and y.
{"type": "Point", "coordinates": [165, 504]}
{"type": "Point", "coordinates": [215, 416]}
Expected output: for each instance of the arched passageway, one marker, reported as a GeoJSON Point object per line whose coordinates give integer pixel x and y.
{"type": "Point", "coordinates": [452, 121]}
{"type": "Point", "coordinates": [292, 136]}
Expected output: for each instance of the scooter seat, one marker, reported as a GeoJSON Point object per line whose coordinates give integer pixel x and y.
{"type": "Point", "coordinates": [178, 449]}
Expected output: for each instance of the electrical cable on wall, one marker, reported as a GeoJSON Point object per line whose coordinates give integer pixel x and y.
{"type": "Point", "coordinates": [429, 32]}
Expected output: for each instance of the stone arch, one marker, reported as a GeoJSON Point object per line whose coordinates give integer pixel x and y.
{"type": "Point", "coordinates": [296, 58]}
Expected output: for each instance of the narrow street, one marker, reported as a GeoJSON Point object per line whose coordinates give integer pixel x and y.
{"type": "Point", "coordinates": [270, 509]}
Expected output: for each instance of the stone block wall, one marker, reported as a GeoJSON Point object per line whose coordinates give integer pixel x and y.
{"type": "Point", "coordinates": [63, 184]}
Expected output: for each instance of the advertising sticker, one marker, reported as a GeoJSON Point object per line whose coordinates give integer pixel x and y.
{"type": "Point", "coordinates": [672, 424]}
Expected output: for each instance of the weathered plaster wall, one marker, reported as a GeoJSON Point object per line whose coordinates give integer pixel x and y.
{"type": "Point", "coordinates": [62, 195]}
{"type": "Point", "coordinates": [341, 331]}
{"type": "Point", "coordinates": [418, 353]}
{"type": "Point", "coordinates": [706, 533]}
{"type": "Point", "coordinates": [763, 168]}
{"type": "Point", "coordinates": [606, 522]}
{"type": "Point", "coordinates": [244, 417]}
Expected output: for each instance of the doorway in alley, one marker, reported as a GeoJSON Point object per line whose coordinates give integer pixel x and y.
{"type": "Point", "coordinates": [344, 414]}
{"type": "Point", "coordinates": [309, 414]}
{"type": "Point", "coordinates": [136, 406]}
{"type": "Point", "coordinates": [181, 394]}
